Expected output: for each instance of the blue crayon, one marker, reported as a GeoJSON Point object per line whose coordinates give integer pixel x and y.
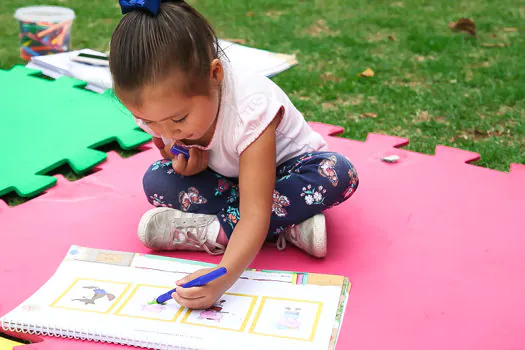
{"type": "Point", "coordinates": [176, 150]}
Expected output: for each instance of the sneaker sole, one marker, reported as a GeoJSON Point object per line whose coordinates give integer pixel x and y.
{"type": "Point", "coordinates": [319, 236]}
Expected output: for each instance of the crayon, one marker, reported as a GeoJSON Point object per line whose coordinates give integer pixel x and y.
{"type": "Point", "coordinates": [52, 28]}
{"type": "Point", "coordinates": [30, 51]}
{"type": "Point", "coordinates": [43, 38]}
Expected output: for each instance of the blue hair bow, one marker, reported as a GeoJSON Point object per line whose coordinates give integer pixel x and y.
{"type": "Point", "coordinates": [152, 6]}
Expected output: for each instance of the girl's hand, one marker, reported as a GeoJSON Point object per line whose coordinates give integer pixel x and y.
{"type": "Point", "coordinates": [164, 149]}
{"type": "Point", "coordinates": [201, 297]}
{"type": "Point", "coordinates": [197, 162]}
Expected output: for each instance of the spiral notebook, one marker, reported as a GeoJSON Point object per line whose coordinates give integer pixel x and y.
{"type": "Point", "coordinates": [102, 295]}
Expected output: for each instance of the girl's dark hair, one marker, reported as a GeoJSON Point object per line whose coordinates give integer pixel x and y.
{"type": "Point", "coordinates": [145, 49]}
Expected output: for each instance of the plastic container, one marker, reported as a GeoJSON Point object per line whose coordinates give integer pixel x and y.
{"type": "Point", "coordinates": [44, 30]}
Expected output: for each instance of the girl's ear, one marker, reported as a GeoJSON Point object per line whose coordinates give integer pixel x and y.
{"type": "Point", "coordinates": [216, 72]}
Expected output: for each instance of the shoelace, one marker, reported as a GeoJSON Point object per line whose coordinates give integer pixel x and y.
{"type": "Point", "coordinates": [197, 239]}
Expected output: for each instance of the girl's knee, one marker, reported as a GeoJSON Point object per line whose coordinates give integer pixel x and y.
{"type": "Point", "coordinates": [157, 175]}
{"type": "Point", "coordinates": [350, 173]}
{"type": "Point", "coordinates": [346, 177]}
{"type": "Point", "coordinates": [349, 169]}
{"type": "Point", "coordinates": [343, 167]}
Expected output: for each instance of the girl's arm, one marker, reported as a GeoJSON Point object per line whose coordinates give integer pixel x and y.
{"type": "Point", "coordinates": [256, 185]}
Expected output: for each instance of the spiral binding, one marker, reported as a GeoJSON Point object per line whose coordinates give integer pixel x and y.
{"type": "Point", "coordinates": [146, 340]}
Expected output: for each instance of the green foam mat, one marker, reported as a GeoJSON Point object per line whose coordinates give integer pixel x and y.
{"type": "Point", "coordinates": [47, 123]}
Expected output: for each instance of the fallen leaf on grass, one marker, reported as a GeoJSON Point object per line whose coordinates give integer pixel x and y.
{"type": "Point", "coordinates": [510, 29]}
{"type": "Point", "coordinates": [237, 41]}
{"type": "Point", "coordinates": [368, 73]}
{"type": "Point", "coordinates": [495, 45]}
{"type": "Point", "coordinates": [249, 14]}
{"type": "Point", "coordinates": [392, 38]}
{"type": "Point", "coordinates": [369, 115]}
{"type": "Point", "coordinates": [465, 25]}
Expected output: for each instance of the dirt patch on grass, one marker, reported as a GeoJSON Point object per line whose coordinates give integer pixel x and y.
{"type": "Point", "coordinates": [420, 58]}
{"type": "Point", "coordinates": [346, 101]}
{"type": "Point", "coordinates": [478, 134]}
{"type": "Point", "coordinates": [506, 109]}
{"type": "Point", "coordinates": [379, 37]}
{"type": "Point", "coordinates": [424, 116]}
{"type": "Point", "coordinates": [274, 14]}
{"type": "Point", "coordinates": [329, 76]}
{"type": "Point", "coordinates": [320, 28]}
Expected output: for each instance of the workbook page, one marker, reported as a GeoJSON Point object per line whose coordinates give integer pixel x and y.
{"type": "Point", "coordinates": [111, 302]}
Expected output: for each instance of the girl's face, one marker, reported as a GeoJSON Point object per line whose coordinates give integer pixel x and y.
{"type": "Point", "coordinates": [175, 116]}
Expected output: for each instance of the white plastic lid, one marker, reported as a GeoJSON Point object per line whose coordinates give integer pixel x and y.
{"type": "Point", "coordinates": [53, 14]}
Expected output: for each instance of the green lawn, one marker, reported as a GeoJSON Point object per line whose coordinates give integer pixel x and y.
{"type": "Point", "coordinates": [431, 85]}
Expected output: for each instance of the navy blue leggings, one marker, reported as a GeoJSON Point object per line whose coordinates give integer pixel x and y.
{"type": "Point", "coordinates": [305, 186]}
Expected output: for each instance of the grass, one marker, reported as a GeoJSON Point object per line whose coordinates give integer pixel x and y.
{"type": "Point", "coordinates": [431, 85]}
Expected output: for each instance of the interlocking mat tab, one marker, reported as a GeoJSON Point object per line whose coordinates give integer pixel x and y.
{"type": "Point", "coordinates": [434, 247]}
{"type": "Point", "coordinates": [45, 124]}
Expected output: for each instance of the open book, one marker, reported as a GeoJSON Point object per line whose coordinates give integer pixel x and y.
{"type": "Point", "coordinates": [103, 295]}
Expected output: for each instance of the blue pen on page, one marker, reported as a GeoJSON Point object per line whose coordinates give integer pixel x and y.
{"type": "Point", "coordinates": [176, 150]}
{"type": "Point", "coordinates": [197, 282]}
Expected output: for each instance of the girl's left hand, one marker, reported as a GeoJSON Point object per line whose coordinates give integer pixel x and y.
{"type": "Point", "coordinates": [201, 297]}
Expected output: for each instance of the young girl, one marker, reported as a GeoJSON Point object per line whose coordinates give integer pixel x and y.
{"type": "Point", "coordinates": [255, 170]}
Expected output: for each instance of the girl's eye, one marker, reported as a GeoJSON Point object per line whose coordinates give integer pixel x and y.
{"type": "Point", "coordinates": [180, 120]}
{"type": "Point", "coordinates": [147, 123]}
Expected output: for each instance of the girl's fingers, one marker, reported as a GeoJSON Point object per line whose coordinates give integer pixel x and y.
{"type": "Point", "coordinates": [194, 161]}
{"type": "Point", "coordinates": [191, 293]}
{"type": "Point", "coordinates": [165, 155]}
{"type": "Point", "coordinates": [179, 164]}
{"type": "Point", "coordinates": [199, 303]}
{"type": "Point", "coordinates": [166, 152]}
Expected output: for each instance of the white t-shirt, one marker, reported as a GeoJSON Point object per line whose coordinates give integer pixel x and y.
{"type": "Point", "coordinates": [249, 103]}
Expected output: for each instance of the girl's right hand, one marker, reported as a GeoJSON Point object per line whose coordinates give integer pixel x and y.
{"type": "Point", "coordinates": [197, 162]}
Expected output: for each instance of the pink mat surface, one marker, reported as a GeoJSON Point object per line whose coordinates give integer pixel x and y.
{"type": "Point", "coordinates": [434, 247]}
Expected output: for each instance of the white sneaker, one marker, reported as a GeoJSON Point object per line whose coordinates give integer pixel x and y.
{"type": "Point", "coordinates": [171, 229]}
{"type": "Point", "coordinates": [309, 235]}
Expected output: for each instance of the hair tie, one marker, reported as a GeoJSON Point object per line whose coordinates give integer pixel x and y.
{"type": "Point", "coordinates": [152, 6]}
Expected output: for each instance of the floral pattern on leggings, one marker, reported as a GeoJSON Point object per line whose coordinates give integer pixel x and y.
{"type": "Point", "coordinates": [305, 186]}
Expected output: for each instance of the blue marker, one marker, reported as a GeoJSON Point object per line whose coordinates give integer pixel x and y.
{"type": "Point", "coordinates": [176, 150]}
{"type": "Point", "coordinates": [197, 282]}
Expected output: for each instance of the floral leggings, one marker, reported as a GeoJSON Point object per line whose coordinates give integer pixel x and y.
{"type": "Point", "coordinates": [305, 186]}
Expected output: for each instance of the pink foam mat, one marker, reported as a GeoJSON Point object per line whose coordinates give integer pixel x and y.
{"type": "Point", "coordinates": [434, 247]}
